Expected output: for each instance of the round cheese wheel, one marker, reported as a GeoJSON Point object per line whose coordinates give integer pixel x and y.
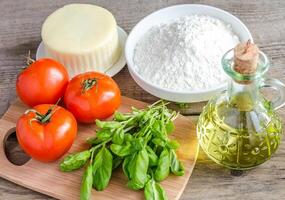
{"type": "Point", "coordinates": [82, 37]}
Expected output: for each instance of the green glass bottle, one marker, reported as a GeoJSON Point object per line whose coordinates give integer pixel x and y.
{"type": "Point", "coordinates": [240, 129]}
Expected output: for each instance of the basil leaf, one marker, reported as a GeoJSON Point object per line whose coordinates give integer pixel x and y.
{"type": "Point", "coordinates": [137, 144]}
{"type": "Point", "coordinates": [162, 170]}
{"type": "Point", "coordinates": [131, 166]}
{"type": "Point", "coordinates": [118, 137]}
{"type": "Point", "coordinates": [158, 142]}
{"type": "Point", "coordinates": [94, 140]}
{"type": "Point", "coordinates": [102, 169]}
{"type": "Point", "coordinates": [176, 166]}
{"type": "Point", "coordinates": [169, 127]}
{"type": "Point", "coordinates": [103, 134]}
{"type": "Point", "coordinates": [133, 122]}
{"type": "Point", "coordinates": [126, 165]}
{"type": "Point", "coordinates": [156, 127]}
{"type": "Point", "coordinates": [159, 130]}
{"type": "Point", "coordinates": [153, 159]}
{"type": "Point", "coordinates": [74, 161]}
{"type": "Point", "coordinates": [128, 137]}
{"type": "Point", "coordinates": [121, 150]}
{"type": "Point", "coordinates": [86, 184]}
{"type": "Point", "coordinates": [173, 144]}
{"type": "Point", "coordinates": [138, 170]}
{"type": "Point", "coordinates": [108, 124]}
{"type": "Point", "coordinates": [153, 191]}
{"type": "Point", "coordinates": [116, 162]}
{"type": "Point", "coordinates": [118, 116]}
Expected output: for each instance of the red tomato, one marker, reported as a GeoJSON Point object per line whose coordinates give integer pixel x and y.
{"type": "Point", "coordinates": [43, 82]}
{"type": "Point", "coordinates": [46, 140]}
{"type": "Point", "coordinates": [91, 96]}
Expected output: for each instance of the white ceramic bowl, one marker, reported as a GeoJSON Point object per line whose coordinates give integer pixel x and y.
{"type": "Point", "coordinates": [167, 14]}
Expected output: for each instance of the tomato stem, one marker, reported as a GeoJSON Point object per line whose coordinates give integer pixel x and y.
{"type": "Point", "coordinates": [43, 118]}
{"type": "Point", "coordinates": [89, 83]}
{"type": "Point", "coordinates": [29, 60]}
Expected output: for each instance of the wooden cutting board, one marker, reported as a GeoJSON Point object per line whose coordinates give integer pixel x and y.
{"type": "Point", "coordinates": [47, 179]}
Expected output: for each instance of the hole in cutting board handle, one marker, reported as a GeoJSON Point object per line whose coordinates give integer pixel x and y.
{"type": "Point", "coordinates": [14, 153]}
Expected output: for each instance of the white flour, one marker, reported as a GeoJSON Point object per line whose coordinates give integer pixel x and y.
{"type": "Point", "coordinates": [185, 54]}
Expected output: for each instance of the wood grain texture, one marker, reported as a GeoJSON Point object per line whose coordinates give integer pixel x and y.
{"type": "Point", "coordinates": [20, 23]}
{"type": "Point", "coordinates": [48, 179]}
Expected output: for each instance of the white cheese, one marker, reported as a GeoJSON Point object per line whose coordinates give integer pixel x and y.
{"type": "Point", "coordinates": [82, 37]}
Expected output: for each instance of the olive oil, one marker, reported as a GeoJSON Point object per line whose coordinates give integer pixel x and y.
{"type": "Point", "coordinates": [240, 129]}
{"type": "Point", "coordinates": [238, 139]}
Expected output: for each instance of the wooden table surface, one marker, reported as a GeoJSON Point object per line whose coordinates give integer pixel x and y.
{"type": "Point", "coordinates": [20, 26]}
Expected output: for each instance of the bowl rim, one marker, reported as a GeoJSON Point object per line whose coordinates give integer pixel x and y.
{"type": "Point", "coordinates": [172, 91]}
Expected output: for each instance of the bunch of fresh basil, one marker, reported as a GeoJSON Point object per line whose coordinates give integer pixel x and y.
{"type": "Point", "coordinates": [139, 142]}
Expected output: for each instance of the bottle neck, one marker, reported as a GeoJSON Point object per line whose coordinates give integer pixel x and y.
{"type": "Point", "coordinates": [244, 96]}
{"type": "Point", "coordinates": [244, 88]}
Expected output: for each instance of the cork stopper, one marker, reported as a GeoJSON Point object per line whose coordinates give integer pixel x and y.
{"type": "Point", "coordinates": [246, 58]}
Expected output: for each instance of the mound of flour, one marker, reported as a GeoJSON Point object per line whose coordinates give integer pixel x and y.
{"type": "Point", "coordinates": [185, 54]}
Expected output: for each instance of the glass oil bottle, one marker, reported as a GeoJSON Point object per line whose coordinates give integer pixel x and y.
{"type": "Point", "coordinates": [240, 129]}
